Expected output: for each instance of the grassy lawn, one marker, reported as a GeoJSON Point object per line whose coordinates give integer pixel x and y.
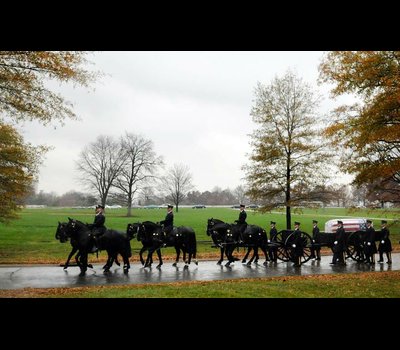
{"type": "Point", "coordinates": [360, 285]}
{"type": "Point", "coordinates": [31, 238]}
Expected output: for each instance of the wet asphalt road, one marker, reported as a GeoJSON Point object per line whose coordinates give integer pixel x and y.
{"type": "Point", "coordinates": [50, 276]}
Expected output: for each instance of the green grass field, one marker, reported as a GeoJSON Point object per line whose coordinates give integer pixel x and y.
{"type": "Point", "coordinates": [31, 238]}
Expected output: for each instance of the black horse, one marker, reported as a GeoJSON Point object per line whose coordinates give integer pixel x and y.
{"type": "Point", "coordinates": [114, 242]}
{"type": "Point", "coordinates": [218, 231]}
{"type": "Point", "coordinates": [153, 238]}
{"type": "Point", "coordinates": [255, 237]}
{"type": "Point", "coordinates": [227, 236]}
{"type": "Point", "coordinates": [63, 237]}
{"type": "Point", "coordinates": [150, 235]}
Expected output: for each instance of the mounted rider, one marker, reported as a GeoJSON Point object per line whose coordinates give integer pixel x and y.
{"type": "Point", "coordinates": [241, 222]}
{"type": "Point", "coordinates": [98, 228]}
{"type": "Point", "coordinates": [168, 223]}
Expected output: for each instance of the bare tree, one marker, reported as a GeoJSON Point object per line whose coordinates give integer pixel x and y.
{"type": "Point", "coordinates": [288, 152]}
{"type": "Point", "coordinates": [146, 195]}
{"type": "Point", "coordinates": [240, 193]}
{"type": "Point", "coordinates": [141, 163]}
{"type": "Point", "coordinates": [177, 183]}
{"type": "Point", "coordinates": [99, 164]}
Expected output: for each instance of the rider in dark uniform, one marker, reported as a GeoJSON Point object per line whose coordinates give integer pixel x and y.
{"type": "Point", "coordinates": [385, 245]}
{"type": "Point", "coordinates": [98, 228]}
{"type": "Point", "coordinates": [315, 239]}
{"type": "Point", "coordinates": [272, 251]}
{"type": "Point", "coordinates": [169, 220]}
{"type": "Point", "coordinates": [339, 244]}
{"type": "Point", "coordinates": [369, 243]}
{"type": "Point", "coordinates": [242, 222]}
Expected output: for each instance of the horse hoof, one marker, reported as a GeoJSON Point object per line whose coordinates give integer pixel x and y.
{"type": "Point", "coordinates": [243, 261]}
{"type": "Point", "coordinates": [219, 262]}
{"type": "Point", "coordinates": [90, 265]}
{"type": "Point", "coordinates": [196, 262]}
{"type": "Point", "coordinates": [119, 264]}
{"type": "Point", "coordinates": [159, 266]}
{"type": "Point", "coordinates": [174, 264]}
{"type": "Point", "coordinates": [265, 263]}
{"type": "Point", "coordinates": [186, 267]}
{"type": "Point", "coordinates": [249, 263]}
{"type": "Point", "coordinates": [104, 267]}
{"type": "Point", "coordinates": [228, 264]}
{"type": "Point", "coordinates": [82, 274]}
{"type": "Point", "coordinates": [126, 270]}
{"type": "Point", "coordinates": [65, 267]}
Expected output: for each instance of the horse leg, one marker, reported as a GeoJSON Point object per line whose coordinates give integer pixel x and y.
{"type": "Point", "coordinates": [228, 253]}
{"type": "Point", "coordinates": [83, 267]}
{"type": "Point", "coordinates": [221, 259]}
{"type": "Point", "coordinates": [77, 258]}
{"type": "Point", "coordinates": [73, 251]}
{"type": "Point", "coordinates": [247, 255]}
{"type": "Point", "coordinates": [189, 260]}
{"type": "Point", "coordinates": [254, 257]}
{"type": "Point", "coordinates": [126, 262]}
{"type": "Point", "coordinates": [178, 252]}
{"type": "Point", "coordinates": [109, 262]}
{"type": "Point", "coordinates": [149, 257]}
{"type": "Point", "coordinates": [159, 258]}
{"type": "Point", "coordinates": [141, 255]}
{"type": "Point", "coordinates": [264, 250]}
{"type": "Point", "coordinates": [194, 257]}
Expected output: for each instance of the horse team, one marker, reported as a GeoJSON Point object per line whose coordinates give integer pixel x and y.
{"type": "Point", "coordinates": [152, 236]}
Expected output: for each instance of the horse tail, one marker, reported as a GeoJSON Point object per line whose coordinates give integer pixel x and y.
{"type": "Point", "coordinates": [193, 243]}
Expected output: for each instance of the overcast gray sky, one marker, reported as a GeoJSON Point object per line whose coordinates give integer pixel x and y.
{"type": "Point", "coordinates": [194, 106]}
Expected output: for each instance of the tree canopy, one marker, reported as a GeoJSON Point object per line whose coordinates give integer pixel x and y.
{"type": "Point", "coordinates": [23, 76]}
{"type": "Point", "coordinates": [369, 131]}
{"type": "Point", "coordinates": [18, 165]}
{"type": "Point", "coordinates": [288, 153]}
{"type": "Point", "coordinates": [25, 96]}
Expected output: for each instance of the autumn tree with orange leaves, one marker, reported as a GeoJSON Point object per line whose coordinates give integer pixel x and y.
{"type": "Point", "coordinates": [367, 133]}
{"type": "Point", "coordinates": [18, 164]}
{"type": "Point", "coordinates": [23, 76]}
{"type": "Point", "coordinates": [25, 96]}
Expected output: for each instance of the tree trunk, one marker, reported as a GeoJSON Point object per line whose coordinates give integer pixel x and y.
{"type": "Point", "coordinates": [288, 218]}
{"type": "Point", "coordinates": [129, 214]}
{"type": "Point", "coordinates": [288, 209]}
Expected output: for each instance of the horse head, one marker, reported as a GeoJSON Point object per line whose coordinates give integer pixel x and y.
{"type": "Point", "coordinates": [210, 224]}
{"type": "Point", "coordinates": [217, 229]}
{"type": "Point", "coordinates": [152, 232]}
{"type": "Point", "coordinates": [132, 230]}
{"type": "Point", "coordinates": [61, 233]}
{"type": "Point", "coordinates": [76, 227]}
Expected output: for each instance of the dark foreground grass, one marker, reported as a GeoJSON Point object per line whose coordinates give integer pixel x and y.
{"type": "Point", "coordinates": [360, 285]}
{"type": "Point", "coordinates": [31, 238]}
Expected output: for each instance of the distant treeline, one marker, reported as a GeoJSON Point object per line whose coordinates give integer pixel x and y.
{"type": "Point", "coordinates": [74, 198]}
